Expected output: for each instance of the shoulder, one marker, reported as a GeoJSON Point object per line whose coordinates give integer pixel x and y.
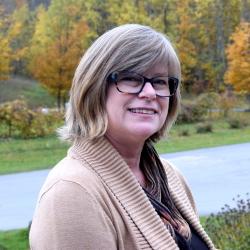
{"type": "Point", "coordinates": [170, 168]}
{"type": "Point", "coordinates": [72, 211]}
{"type": "Point", "coordinates": [174, 173]}
{"type": "Point", "coordinates": [72, 170]}
{"type": "Point", "coordinates": [73, 175]}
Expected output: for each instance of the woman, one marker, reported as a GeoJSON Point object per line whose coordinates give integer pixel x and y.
{"type": "Point", "coordinates": [112, 191]}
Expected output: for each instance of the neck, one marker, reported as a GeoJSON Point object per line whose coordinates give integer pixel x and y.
{"type": "Point", "coordinates": [131, 153]}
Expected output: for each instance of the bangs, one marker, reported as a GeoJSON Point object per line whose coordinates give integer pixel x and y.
{"type": "Point", "coordinates": [139, 55]}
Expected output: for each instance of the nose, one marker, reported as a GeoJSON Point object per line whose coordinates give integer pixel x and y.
{"type": "Point", "coordinates": [147, 92]}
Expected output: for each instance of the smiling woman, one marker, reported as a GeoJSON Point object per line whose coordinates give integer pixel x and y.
{"type": "Point", "coordinates": [113, 191]}
{"type": "Point", "coordinates": [133, 118]}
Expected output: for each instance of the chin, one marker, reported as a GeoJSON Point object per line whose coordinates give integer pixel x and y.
{"type": "Point", "coordinates": [145, 133]}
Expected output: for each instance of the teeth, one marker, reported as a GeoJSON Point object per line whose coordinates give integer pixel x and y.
{"type": "Point", "coordinates": [142, 111]}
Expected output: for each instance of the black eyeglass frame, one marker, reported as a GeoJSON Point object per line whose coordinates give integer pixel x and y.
{"type": "Point", "coordinates": [145, 80]}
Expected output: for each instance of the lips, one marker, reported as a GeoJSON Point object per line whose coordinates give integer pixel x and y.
{"type": "Point", "coordinates": [143, 111]}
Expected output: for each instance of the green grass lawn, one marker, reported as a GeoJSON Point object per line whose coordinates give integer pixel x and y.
{"type": "Point", "coordinates": [17, 155]}
{"type": "Point", "coordinates": [14, 239]}
{"type": "Point", "coordinates": [221, 136]}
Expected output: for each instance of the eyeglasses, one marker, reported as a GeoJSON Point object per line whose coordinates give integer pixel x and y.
{"type": "Point", "coordinates": [133, 83]}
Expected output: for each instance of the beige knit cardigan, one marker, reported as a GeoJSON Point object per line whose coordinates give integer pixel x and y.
{"type": "Point", "coordinates": [91, 200]}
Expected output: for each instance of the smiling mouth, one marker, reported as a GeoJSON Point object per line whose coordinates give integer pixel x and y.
{"type": "Point", "coordinates": [143, 111]}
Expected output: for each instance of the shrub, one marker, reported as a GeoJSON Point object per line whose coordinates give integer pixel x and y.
{"type": "Point", "coordinates": [205, 127]}
{"type": "Point", "coordinates": [190, 113]}
{"type": "Point", "coordinates": [29, 124]}
{"type": "Point", "coordinates": [45, 124]}
{"type": "Point", "coordinates": [15, 114]}
{"type": "Point", "coordinates": [237, 122]}
{"type": "Point", "coordinates": [227, 102]}
{"type": "Point", "coordinates": [209, 101]}
{"type": "Point", "coordinates": [183, 132]}
{"type": "Point", "coordinates": [230, 229]}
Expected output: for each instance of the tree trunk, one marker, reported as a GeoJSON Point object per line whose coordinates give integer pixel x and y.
{"type": "Point", "coordinates": [199, 60]}
{"type": "Point", "coordinates": [8, 5]}
{"type": "Point", "coordinates": [136, 4]}
{"type": "Point", "coordinates": [220, 45]}
{"type": "Point", "coordinates": [210, 51]}
{"type": "Point", "coordinates": [10, 125]}
{"type": "Point", "coordinates": [228, 21]}
{"type": "Point", "coordinates": [245, 11]}
{"type": "Point", "coordinates": [59, 100]}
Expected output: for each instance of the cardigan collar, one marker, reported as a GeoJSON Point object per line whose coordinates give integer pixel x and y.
{"type": "Point", "coordinates": [104, 159]}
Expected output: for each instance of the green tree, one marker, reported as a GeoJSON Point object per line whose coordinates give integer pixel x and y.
{"type": "Point", "coordinates": [22, 41]}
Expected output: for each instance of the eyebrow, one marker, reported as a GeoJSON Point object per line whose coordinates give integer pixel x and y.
{"type": "Point", "coordinates": [161, 74]}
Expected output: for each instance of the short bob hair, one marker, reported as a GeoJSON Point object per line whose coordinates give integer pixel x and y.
{"type": "Point", "coordinates": [129, 47]}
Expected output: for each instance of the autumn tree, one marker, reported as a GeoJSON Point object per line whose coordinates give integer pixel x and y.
{"type": "Point", "coordinates": [22, 41]}
{"type": "Point", "coordinates": [200, 30]}
{"type": "Point", "coordinates": [185, 46]}
{"type": "Point", "coordinates": [214, 21]}
{"type": "Point", "coordinates": [238, 55]}
{"type": "Point", "coordinates": [127, 12]}
{"type": "Point", "coordinates": [9, 30]}
{"type": "Point", "coordinates": [60, 48]}
{"type": "Point", "coordinates": [5, 49]}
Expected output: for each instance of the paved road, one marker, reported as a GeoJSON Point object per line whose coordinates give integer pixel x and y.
{"type": "Point", "coordinates": [215, 175]}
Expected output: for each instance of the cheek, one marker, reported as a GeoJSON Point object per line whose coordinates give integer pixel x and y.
{"type": "Point", "coordinates": [114, 106]}
{"type": "Point", "coordinates": [110, 99]}
{"type": "Point", "coordinates": [165, 108]}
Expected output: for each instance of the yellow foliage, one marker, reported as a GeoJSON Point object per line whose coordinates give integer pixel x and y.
{"type": "Point", "coordinates": [5, 49]}
{"type": "Point", "coordinates": [8, 31]}
{"type": "Point", "coordinates": [200, 29]}
{"type": "Point", "coordinates": [238, 55]}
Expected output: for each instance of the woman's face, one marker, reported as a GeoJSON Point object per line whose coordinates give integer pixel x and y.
{"type": "Point", "coordinates": [124, 121]}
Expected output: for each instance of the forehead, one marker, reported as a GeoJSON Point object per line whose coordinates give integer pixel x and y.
{"type": "Point", "coordinates": [156, 70]}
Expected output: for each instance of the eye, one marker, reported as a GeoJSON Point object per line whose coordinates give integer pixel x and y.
{"type": "Point", "coordinates": [129, 78]}
{"type": "Point", "coordinates": [160, 82]}
{"type": "Point", "coordinates": [125, 78]}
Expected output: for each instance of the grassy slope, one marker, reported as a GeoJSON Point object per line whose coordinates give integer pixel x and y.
{"type": "Point", "coordinates": [27, 89]}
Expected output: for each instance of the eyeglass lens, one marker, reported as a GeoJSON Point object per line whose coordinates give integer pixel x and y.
{"type": "Point", "coordinates": [132, 83]}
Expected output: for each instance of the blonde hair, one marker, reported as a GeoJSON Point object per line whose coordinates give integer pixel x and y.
{"type": "Point", "coordinates": [130, 47]}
